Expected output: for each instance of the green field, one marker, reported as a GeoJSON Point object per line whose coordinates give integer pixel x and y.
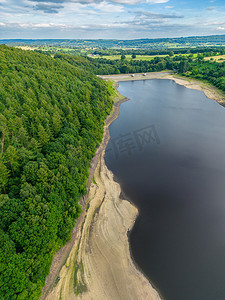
{"type": "Point", "coordinates": [138, 57]}
{"type": "Point", "coordinates": [218, 58]}
{"type": "Point", "coordinates": [129, 57]}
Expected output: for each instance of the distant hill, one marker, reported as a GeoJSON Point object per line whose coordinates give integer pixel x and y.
{"type": "Point", "coordinates": [162, 43]}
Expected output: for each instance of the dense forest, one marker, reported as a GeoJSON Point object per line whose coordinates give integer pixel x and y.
{"type": "Point", "coordinates": [188, 65]}
{"type": "Point", "coordinates": [109, 52]}
{"type": "Point", "coordinates": [51, 122]}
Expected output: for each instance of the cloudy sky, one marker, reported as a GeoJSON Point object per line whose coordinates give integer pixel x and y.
{"type": "Point", "coordinates": [117, 19]}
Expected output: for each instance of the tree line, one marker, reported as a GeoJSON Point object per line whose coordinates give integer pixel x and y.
{"type": "Point", "coordinates": [190, 65]}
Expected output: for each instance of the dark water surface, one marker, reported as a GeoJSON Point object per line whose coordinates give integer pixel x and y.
{"type": "Point", "coordinates": [167, 150]}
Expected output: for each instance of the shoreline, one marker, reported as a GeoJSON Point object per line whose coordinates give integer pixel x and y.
{"type": "Point", "coordinates": [83, 258]}
{"type": "Point", "coordinates": [79, 275]}
{"type": "Point", "coordinates": [62, 255]}
{"type": "Point", "coordinates": [209, 90]}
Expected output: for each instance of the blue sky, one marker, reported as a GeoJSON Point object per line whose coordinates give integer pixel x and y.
{"type": "Point", "coordinates": [116, 19]}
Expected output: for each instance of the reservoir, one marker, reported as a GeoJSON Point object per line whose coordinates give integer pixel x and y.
{"type": "Point", "coordinates": [167, 150]}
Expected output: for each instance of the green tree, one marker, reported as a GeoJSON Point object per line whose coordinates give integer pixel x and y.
{"type": "Point", "coordinates": [4, 175]}
{"type": "Point", "coordinates": [3, 131]}
{"type": "Point", "coordinates": [51, 123]}
{"type": "Point", "coordinates": [13, 158]}
{"type": "Point", "coordinates": [43, 135]}
{"type": "Point", "coordinates": [183, 66]}
{"type": "Point", "coordinates": [56, 120]}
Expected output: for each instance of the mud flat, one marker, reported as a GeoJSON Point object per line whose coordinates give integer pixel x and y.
{"type": "Point", "coordinates": [100, 267]}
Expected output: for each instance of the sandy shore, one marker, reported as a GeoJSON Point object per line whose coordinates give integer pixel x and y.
{"type": "Point", "coordinates": [136, 76]}
{"type": "Point", "coordinates": [106, 270]}
{"type": "Point", "coordinates": [210, 91]}
{"type": "Point", "coordinates": [96, 263]}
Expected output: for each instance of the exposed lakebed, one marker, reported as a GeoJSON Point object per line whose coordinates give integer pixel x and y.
{"type": "Point", "coordinates": [167, 150]}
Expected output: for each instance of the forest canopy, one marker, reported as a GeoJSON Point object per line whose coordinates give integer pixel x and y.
{"type": "Point", "coordinates": [51, 123]}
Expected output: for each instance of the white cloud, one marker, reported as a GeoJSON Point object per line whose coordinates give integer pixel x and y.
{"type": "Point", "coordinates": [107, 19]}
{"type": "Point", "coordinates": [214, 23]}
{"type": "Point", "coordinates": [131, 2]}
{"type": "Point", "coordinates": [157, 1]}
{"type": "Point", "coordinates": [220, 28]}
{"type": "Point", "coordinates": [128, 2]}
{"type": "Point", "coordinates": [152, 15]}
{"type": "Point", "coordinates": [107, 7]}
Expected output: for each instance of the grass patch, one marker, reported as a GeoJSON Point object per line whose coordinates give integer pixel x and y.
{"type": "Point", "coordinates": [87, 207]}
{"type": "Point", "coordinates": [94, 180]}
{"type": "Point", "coordinates": [218, 58]}
{"type": "Point", "coordinates": [138, 57]}
{"type": "Point", "coordinates": [129, 57]}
